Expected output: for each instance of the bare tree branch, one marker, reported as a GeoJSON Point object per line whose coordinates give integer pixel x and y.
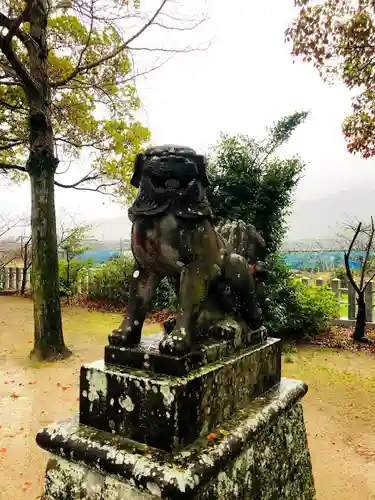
{"type": "Point", "coordinates": [346, 259]}
{"type": "Point", "coordinates": [11, 107]}
{"type": "Point", "coordinates": [8, 226]}
{"type": "Point", "coordinates": [11, 145]}
{"type": "Point", "coordinates": [367, 254]}
{"type": "Point", "coordinates": [9, 166]}
{"type": "Point", "coordinates": [13, 25]}
{"type": "Point", "coordinates": [86, 178]}
{"type": "Point", "coordinates": [185, 50]}
{"type": "Point", "coordinates": [97, 189]}
{"type": "Point", "coordinates": [111, 55]}
{"type": "Point", "coordinates": [17, 65]}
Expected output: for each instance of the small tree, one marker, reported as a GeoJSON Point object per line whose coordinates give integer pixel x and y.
{"type": "Point", "coordinates": [250, 182]}
{"type": "Point", "coordinates": [360, 288]}
{"type": "Point", "coordinates": [9, 252]}
{"type": "Point", "coordinates": [67, 85]}
{"type": "Point", "coordinates": [71, 246]}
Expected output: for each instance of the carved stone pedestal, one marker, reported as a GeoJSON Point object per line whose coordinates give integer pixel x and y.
{"type": "Point", "coordinates": [229, 428]}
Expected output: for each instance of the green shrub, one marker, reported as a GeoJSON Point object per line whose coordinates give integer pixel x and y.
{"type": "Point", "coordinates": [70, 274]}
{"type": "Point", "coordinates": [339, 273]}
{"type": "Point", "coordinates": [296, 310]}
{"type": "Point", "coordinates": [112, 281]}
{"type": "Point", "coordinates": [317, 306]}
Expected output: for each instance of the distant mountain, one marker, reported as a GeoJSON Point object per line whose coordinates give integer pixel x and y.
{"type": "Point", "coordinates": [320, 219]}
{"type": "Point", "coordinates": [114, 229]}
{"type": "Point", "coordinates": [313, 224]}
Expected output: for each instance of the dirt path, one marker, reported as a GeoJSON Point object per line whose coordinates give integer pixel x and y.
{"type": "Point", "coordinates": [339, 408]}
{"type": "Point", "coordinates": [339, 415]}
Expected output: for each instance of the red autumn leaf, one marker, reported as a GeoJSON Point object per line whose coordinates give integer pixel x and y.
{"type": "Point", "coordinates": [14, 395]}
{"type": "Point", "coordinates": [27, 483]}
{"type": "Point", "coordinates": [65, 387]}
{"type": "Point", "coordinates": [3, 450]}
{"type": "Point", "coordinates": [212, 436]}
{"type": "Point", "coordinates": [6, 381]}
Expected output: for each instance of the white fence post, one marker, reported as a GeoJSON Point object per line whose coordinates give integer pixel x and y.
{"type": "Point", "coordinates": [351, 301]}
{"type": "Point", "coordinates": [335, 285]}
{"type": "Point", "coordinates": [28, 279]}
{"type": "Point", "coordinates": [306, 281]}
{"type": "Point", "coordinates": [368, 301]}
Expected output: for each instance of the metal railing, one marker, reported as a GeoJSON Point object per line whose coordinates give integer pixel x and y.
{"type": "Point", "coordinates": [11, 281]}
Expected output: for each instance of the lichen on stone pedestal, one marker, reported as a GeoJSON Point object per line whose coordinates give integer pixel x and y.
{"type": "Point", "coordinates": [168, 412]}
{"type": "Point", "coordinates": [261, 453]}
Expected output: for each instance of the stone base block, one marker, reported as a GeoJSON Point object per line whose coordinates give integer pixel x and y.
{"type": "Point", "coordinates": [146, 355]}
{"type": "Point", "coordinates": [260, 454]}
{"type": "Point", "coordinates": [168, 412]}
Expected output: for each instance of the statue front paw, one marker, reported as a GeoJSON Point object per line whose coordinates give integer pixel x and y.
{"type": "Point", "coordinates": [124, 337]}
{"type": "Point", "coordinates": [227, 329]}
{"type": "Point", "coordinates": [177, 343]}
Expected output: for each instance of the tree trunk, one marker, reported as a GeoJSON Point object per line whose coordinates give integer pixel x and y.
{"type": "Point", "coordinates": [24, 279]}
{"type": "Point", "coordinates": [41, 166]}
{"type": "Point", "coordinates": [360, 325]}
{"type": "Point", "coordinates": [25, 266]}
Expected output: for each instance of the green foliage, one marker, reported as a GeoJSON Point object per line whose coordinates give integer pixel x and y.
{"type": "Point", "coordinates": [71, 243]}
{"type": "Point", "coordinates": [112, 282]}
{"type": "Point", "coordinates": [317, 306]}
{"type": "Point", "coordinates": [337, 37]}
{"type": "Point", "coordinates": [249, 182]}
{"type": "Point", "coordinates": [339, 273]}
{"type": "Point", "coordinates": [71, 273]}
{"type": "Point", "coordinates": [93, 98]}
{"type": "Point", "coordinates": [294, 309]}
{"type": "Point", "coordinates": [70, 269]}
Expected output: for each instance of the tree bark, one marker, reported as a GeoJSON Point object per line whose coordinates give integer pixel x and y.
{"type": "Point", "coordinates": [41, 166]}
{"type": "Point", "coordinates": [360, 325]}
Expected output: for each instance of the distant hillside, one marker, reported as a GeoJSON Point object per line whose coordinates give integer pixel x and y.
{"type": "Point", "coordinates": [320, 219]}
{"type": "Point", "coordinates": [114, 229]}
{"type": "Point", "coordinates": [313, 224]}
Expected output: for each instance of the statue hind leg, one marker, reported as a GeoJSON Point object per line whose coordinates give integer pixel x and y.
{"type": "Point", "coordinates": [237, 274]}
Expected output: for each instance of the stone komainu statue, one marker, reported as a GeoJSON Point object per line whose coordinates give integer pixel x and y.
{"type": "Point", "coordinates": [173, 236]}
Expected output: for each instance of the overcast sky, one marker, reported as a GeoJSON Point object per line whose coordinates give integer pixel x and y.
{"type": "Point", "coordinates": [242, 83]}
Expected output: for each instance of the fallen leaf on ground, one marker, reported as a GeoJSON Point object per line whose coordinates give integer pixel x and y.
{"type": "Point", "coordinates": [14, 395]}
{"type": "Point", "coordinates": [3, 450]}
{"type": "Point", "coordinates": [212, 436]}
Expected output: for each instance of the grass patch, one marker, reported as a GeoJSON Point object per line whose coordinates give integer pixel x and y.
{"type": "Point", "coordinates": [341, 378]}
